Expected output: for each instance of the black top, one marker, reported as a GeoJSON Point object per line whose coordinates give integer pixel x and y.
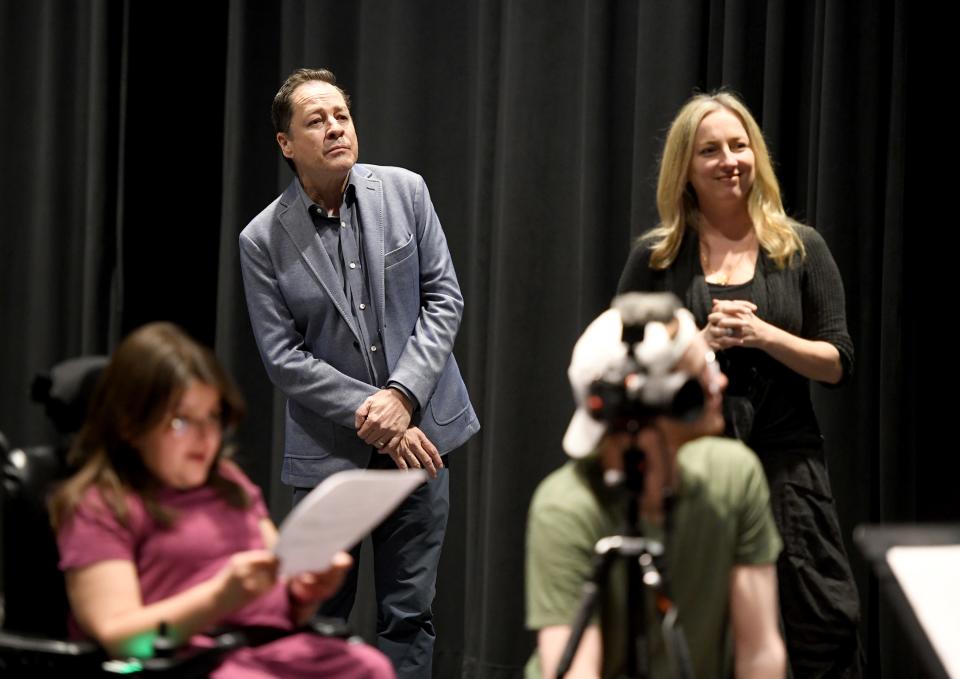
{"type": "Point", "coordinates": [767, 405]}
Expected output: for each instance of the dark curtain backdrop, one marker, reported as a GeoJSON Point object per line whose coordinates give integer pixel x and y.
{"type": "Point", "coordinates": [136, 144]}
{"type": "Point", "coordinates": [60, 67]}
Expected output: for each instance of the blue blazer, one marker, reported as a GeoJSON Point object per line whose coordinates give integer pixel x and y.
{"type": "Point", "coordinates": [308, 338]}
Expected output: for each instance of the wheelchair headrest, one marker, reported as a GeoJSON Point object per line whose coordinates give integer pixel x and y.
{"type": "Point", "coordinates": [65, 391]}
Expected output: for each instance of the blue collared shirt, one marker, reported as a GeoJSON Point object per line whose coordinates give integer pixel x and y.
{"type": "Point", "coordinates": [342, 237]}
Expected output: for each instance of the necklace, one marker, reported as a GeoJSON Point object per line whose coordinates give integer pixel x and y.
{"type": "Point", "coordinates": [722, 275]}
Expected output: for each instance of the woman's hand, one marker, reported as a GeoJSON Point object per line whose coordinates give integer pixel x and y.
{"type": "Point", "coordinates": [246, 576]}
{"type": "Point", "coordinates": [106, 600]}
{"type": "Point", "coordinates": [314, 587]}
{"type": "Point", "coordinates": [734, 323]}
{"type": "Point", "coordinates": [307, 590]}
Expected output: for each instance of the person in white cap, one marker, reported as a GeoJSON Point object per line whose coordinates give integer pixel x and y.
{"type": "Point", "coordinates": [644, 378]}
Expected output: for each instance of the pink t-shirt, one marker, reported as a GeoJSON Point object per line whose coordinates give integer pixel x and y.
{"type": "Point", "coordinates": [204, 534]}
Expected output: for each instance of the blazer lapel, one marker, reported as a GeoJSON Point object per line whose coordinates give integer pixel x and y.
{"type": "Point", "coordinates": [370, 207]}
{"type": "Point", "coordinates": [296, 222]}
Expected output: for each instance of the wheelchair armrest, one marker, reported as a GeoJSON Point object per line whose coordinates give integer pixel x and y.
{"type": "Point", "coordinates": [22, 643]}
{"type": "Point", "coordinates": [29, 657]}
{"type": "Point", "coordinates": [193, 661]}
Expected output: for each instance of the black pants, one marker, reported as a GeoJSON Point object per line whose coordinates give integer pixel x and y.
{"type": "Point", "coordinates": [406, 554]}
{"type": "Point", "coordinates": [819, 606]}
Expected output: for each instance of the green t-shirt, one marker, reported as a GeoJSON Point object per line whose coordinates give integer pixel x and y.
{"type": "Point", "coordinates": [721, 518]}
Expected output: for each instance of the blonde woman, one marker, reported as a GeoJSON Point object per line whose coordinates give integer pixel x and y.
{"type": "Point", "coordinates": [769, 300]}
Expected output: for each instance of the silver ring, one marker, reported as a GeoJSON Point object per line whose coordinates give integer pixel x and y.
{"type": "Point", "coordinates": [730, 332]}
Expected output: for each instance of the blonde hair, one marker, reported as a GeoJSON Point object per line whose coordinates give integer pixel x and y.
{"type": "Point", "coordinates": [677, 202]}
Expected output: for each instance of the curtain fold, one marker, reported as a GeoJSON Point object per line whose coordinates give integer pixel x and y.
{"type": "Point", "coordinates": [537, 126]}
{"type": "Point", "coordinates": [58, 296]}
{"type": "Point", "coordinates": [136, 145]}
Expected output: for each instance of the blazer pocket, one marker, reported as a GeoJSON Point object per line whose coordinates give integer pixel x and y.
{"type": "Point", "coordinates": [449, 400]}
{"type": "Point", "coordinates": [394, 257]}
{"type": "Point", "coordinates": [307, 436]}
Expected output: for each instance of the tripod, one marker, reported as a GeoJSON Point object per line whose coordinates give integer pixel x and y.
{"type": "Point", "coordinates": [640, 555]}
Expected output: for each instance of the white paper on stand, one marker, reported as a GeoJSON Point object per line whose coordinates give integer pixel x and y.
{"type": "Point", "coordinates": [338, 513]}
{"type": "Point", "coordinates": [928, 577]}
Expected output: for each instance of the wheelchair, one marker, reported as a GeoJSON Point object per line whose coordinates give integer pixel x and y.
{"type": "Point", "coordinates": [35, 610]}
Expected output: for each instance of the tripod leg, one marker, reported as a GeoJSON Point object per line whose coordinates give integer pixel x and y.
{"type": "Point", "coordinates": [588, 604]}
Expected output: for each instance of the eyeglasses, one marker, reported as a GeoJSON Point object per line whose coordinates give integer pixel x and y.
{"type": "Point", "coordinates": [183, 426]}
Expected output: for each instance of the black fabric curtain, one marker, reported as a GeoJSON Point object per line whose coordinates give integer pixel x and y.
{"type": "Point", "coordinates": [59, 292]}
{"type": "Point", "coordinates": [138, 144]}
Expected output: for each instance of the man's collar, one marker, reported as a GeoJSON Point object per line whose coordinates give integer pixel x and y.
{"type": "Point", "coordinates": [688, 481]}
{"type": "Point", "coordinates": [691, 481]}
{"type": "Point", "coordinates": [349, 195]}
{"type": "Point", "coordinates": [592, 470]}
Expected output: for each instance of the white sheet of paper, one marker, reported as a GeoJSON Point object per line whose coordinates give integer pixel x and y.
{"type": "Point", "coordinates": [338, 513]}
{"type": "Point", "coordinates": [928, 578]}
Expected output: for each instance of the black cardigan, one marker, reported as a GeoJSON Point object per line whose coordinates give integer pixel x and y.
{"type": "Point", "coordinates": [767, 405]}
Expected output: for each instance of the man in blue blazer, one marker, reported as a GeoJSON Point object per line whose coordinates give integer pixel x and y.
{"type": "Point", "coordinates": [355, 306]}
